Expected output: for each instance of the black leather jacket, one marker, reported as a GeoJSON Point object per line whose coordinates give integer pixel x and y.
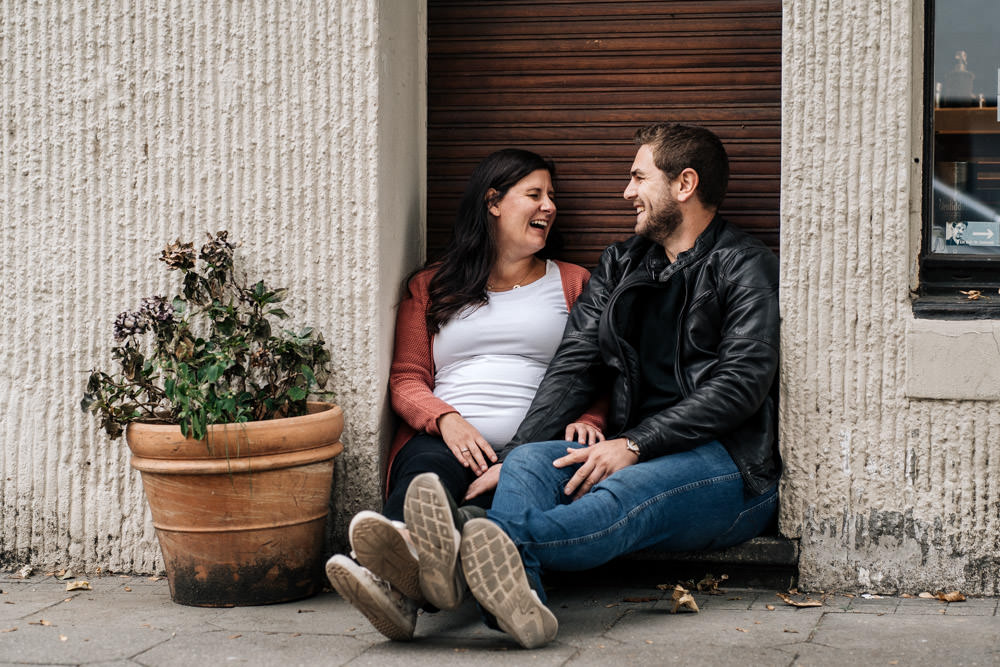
{"type": "Point", "coordinates": [727, 353]}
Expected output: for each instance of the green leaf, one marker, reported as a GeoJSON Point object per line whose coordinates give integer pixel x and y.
{"type": "Point", "coordinates": [297, 393]}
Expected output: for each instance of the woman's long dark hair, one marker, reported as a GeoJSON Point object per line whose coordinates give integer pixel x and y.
{"type": "Point", "coordinates": [464, 268]}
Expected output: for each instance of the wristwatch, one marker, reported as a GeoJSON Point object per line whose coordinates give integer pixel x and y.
{"type": "Point", "coordinates": [633, 447]}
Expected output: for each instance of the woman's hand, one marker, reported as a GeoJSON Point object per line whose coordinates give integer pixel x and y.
{"type": "Point", "coordinates": [583, 433]}
{"type": "Point", "coordinates": [466, 442]}
{"type": "Point", "coordinates": [484, 483]}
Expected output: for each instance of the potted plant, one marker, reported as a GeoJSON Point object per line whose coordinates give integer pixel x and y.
{"type": "Point", "coordinates": [236, 462]}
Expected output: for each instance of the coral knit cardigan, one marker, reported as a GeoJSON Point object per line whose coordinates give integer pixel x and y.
{"type": "Point", "coordinates": [411, 377]}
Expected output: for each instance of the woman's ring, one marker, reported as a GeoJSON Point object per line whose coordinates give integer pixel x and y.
{"type": "Point", "coordinates": [465, 451]}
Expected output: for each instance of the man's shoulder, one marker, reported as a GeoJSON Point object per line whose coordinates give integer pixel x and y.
{"type": "Point", "coordinates": [737, 252]}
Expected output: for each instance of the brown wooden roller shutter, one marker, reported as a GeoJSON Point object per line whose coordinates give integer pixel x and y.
{"type": "Point", "coordinates": [572, 80]}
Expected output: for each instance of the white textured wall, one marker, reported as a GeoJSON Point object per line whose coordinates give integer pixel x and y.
{"type": "Point", "coordinates": [126, 125]}
{"type": "Point", "coordinates": [887, 492]}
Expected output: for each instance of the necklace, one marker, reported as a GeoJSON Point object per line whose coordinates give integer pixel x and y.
{"type": "Point", "coordinates": [517, 285]}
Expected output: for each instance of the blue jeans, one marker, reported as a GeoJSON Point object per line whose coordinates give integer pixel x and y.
{"type": "Point", "coordinates": [680, 502]}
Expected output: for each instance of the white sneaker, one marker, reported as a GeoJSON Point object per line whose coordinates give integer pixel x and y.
{"type": "Point", "coordinates": [431, 519]}
{"type": "Point", "coordinates": [392, 613]}
{"type": "Point", "coordinates": [378, 544]}
{"type": "Point", "coordinates": [496, 577]}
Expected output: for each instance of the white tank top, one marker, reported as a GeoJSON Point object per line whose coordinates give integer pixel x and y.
{"type": "Point", "coordinates": [490, 359]}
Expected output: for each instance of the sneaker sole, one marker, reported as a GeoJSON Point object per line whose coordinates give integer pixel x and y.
{"type": "Point", "coordinates": [496, 577]}
{"type": "Point", "coordinates": [381, 613]}
{"type": "Point", "coordinates": [432, 528]}
{"type": "Point", "coordinates": [378, 546]}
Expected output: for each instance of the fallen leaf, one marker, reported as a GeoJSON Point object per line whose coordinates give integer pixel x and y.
{"type": "Point", "coordinates": [128, 589]}
{"type": "Point", "coordinates": [610, 605]}
{"type": "Point", "coordinates": [649, 641]}
{"type": "Point", "coordinates": [799, 603]}
{"type": "Point", "coordinates": [710, 584]}
{"type": "Point", "coordinates": [25, 572]}
{"type": "Point", "coordinates": [66, 574]}
{"type": "Point", "coordinates": [789, 630]}
{"type": "Point", "coordinates": [972, 294]}
{"type": "Point", "coordinates": [299, 634]}
{"type": "Point", "coordinates": [235, 636]}
{"type": "Point", "coordinates": [683, 598]}
{"type": "Point", "coordinates": [63, 638]}
{"type": "Point", "coordinates": [155, 577]}
{"type": "Point", "coordinates": [793, 591]}
{"type": "Point", "coordinates": [769, 607]}
{"type": "Point", "coordinates": [926, 595]}
{"type": "Point", "coordinates": [954, 596]}
{"type": "Point", "coordinates": [40, 621]}
{"type": "Point", "coordinates": [740, 630]}
{"type": "Point", "coordinates": [848, 595]}
{"type": "Point", "coordinates": [894, 662]}
{"type": "Point", "coordinates": [79, 586]}
{"type": "Point", "coordinates": [9, 630]}
{"type": "Point", "coordinates": [305, 611]}
{"type": "Point", "coordinates": [907, 596]}
{"type": "Point", "coordinates": [640, 599]}
{"type": "Point", "coordinates": [735, 598]}
{"type": "Point", "coordinates": [665, 587]}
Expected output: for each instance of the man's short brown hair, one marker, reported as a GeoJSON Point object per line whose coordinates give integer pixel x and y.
{"type": "Point", "coordinates": [677, 147]}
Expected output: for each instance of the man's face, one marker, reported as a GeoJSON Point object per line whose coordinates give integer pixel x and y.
{"type": "Point", "coordinates": [657, 212]}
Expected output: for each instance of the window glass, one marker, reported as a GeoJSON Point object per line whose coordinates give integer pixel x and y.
{"type": "Point", "coordinates": [966, 129]}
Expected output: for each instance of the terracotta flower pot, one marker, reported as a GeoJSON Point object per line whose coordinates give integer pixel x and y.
{"type": "Point", "coordinates": [241, 519]}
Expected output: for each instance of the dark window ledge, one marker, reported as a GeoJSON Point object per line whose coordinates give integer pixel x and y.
{"type": "Point", "coordinates": [958, 307]}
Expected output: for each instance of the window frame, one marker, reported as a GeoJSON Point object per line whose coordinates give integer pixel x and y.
{"type": "Point", "coordinates": [944, 277]}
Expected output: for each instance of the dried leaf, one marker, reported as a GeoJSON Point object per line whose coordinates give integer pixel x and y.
{"type": "Point", "coordinates": [953, 596]}
{"type": "Point", "coordinates": [789, 630]}
{"type": "Point", "coordinates": [649, 641]}
{"type": "Point", "coordinates": [683, 598]}
{"type": "Point", "coordinates": [65, 574]}
{"type": "Point", "coordinates": [799, 603]}
{"type": "Point", "coordinates": [79, 586]}
{"type": "Point", "coordinates": [25, 572]}
{"type": "Point", "coordinates": [710, 584]}
{"type": "Point", "coordinates": [665, 587]}
{"type": "Point", "coordinates": [640, 599]}
{"type": "Point", "coordinates": [305, 611]}
{"type": "Point", "coordinates": [154, 578]}
{"type": "Point", "coordinates": [793, 591]}
{"type": "Point", "coordinates": [128, 589]}
{"type": "Point", "coordinates": [610, 605]}
{"type": "Point", "coordinates": [907, 596]}
{"type": "Point", "coordinates": [926, 595]}
{"type": "Point", "coordinates": [63, 638]}
{"type": "Point", "coordinates": [740, 630]}
{"type": "Point", "coordinates": [40, 621]}
{"type": "Point", "coordinates": [9, 630]}
{"type": "Point", "coordinates": [235, 636]}
{"type": "Point", "coordinates": [769, 607]}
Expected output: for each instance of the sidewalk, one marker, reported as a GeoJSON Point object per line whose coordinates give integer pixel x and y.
{"type": "Point", "coordinates": [619, 618]}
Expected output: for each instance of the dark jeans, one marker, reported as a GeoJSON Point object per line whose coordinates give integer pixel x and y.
{"type": "Point", "coordinates": [428, 453]}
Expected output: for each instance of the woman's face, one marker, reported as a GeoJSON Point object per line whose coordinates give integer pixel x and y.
{"type": "Point", "coordinates": [524, 215]}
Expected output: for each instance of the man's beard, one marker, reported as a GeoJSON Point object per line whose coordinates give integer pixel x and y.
{"type": "Point", "coordinates": [661, 225]}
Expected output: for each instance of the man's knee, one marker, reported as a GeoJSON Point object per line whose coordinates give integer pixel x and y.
{"type": "Point", "coordinates": [533, 454]}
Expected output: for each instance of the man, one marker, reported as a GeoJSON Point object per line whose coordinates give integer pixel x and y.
{"type": "Point", "coordinates": [679, 325]}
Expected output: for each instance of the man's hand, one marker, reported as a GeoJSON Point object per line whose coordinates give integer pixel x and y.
{"type": "Point", "coordinates": [484, 483]}
{"type": "Point", "coordinates": [583, 433]}
{"type": "Point", "coordinates": [466, 442]}
{"type": "Point", "coordinates": [599, 461]}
